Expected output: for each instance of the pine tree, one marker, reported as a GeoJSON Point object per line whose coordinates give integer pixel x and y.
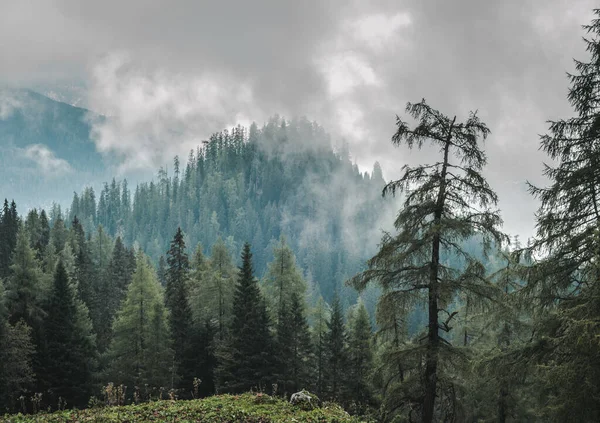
{"type": "Point", "coordinates": [68, 362]}
{"type": "Point", "coordinates": [294, 349]}
{"type": "Point", "coordinates": [337, 352]}
{"type": "Point", "coordinates": [360, 359]}
{"type": "Point", "coordinates": [140, 350]}
{"type": "Point", "coordinates": [445, 203]}
{"type": "Point", "coordinates": [176, 300]}
{"type": "Point", "coordinates": [565, 283]}
{"type": "Point", "coordinates": [248, 363]}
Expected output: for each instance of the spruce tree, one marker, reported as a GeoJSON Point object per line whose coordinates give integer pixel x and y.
{"type": "Point", "coordinates": [294, 349]}
{"type": "Point", "coordinates": [58, 233]}
{"type": "Point", "coordinates": [85, 276]}
{"type": "Point", "coordinates": [176, 300]}
{"type": "Point", "coordinates": [9, 226]}
{"type": "Point", "coordinates": [16, 352]}
{"type": "Point", "coordinates": [360, 359]}
{"type": "Point", "coordinates": [337, 353]}
{"type": "Point", "coordinates": [112, 291]}
{"type": "Point", "coordinates": [44, 236]}
{"type": "Point", "coordinates": [319, 335]}
{"type": "Point", "coordinates": [69, 352]}
{"type": "Point", "coordinates": [248, 364]}
{"type": "Point", "coordinates": [161, 272]}
{"type": "Point", "coordinates": [219, 287]}
{"type": "Point", "coordinates": [445, 203]}
{"type": "Point", "coordinates": [202, 339]}
{"type": "Point", "coordinates": [16, 363]}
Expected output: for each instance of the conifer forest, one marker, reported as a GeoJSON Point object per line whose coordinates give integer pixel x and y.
{"type": "Point", "coordinates": [265, 260]}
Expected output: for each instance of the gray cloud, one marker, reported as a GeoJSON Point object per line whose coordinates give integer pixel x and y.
{"type": "Point", "coordinates": [47, 162]}
{"type": "Point", "coordinates": [170, 74]}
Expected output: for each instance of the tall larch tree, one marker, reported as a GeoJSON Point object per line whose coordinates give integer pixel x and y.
{"type": "Point", "coordinates": [565, 283]}
{"type": "Point", "coordinates": [445, 203]}
{"type": "Point", "coordinates": [140, 350]}
{"type": "Point", "coordinates": [24, 293]}
{"type": "Point", "coordinates": [283, 279]}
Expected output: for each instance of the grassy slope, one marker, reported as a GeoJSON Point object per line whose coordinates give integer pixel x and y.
{"type": "Point", "coordinates": [247, 408]}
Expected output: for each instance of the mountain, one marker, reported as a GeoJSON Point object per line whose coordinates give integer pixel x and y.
{"type": "Point", "coordinates": [46, 149]}
{"type": "Point", "coordinates": [256, 185]}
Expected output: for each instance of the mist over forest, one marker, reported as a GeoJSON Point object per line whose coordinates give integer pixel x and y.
{"type": "Point", "coordinates": [329, 235]}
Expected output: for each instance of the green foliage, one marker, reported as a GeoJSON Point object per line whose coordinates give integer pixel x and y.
{"type": "Point", "coordinates": [248, 360]}
{"type": "Point", "coordinates": [564, 284]}
{"type": "Point", "coordinates": [113, 290]}
{"type": "Point", "coordinates": [255, 185]}
{"type": "Point", "coordinates": [360, 359]}
{"type": "Point", "coordinates": [337, 352]}
{"type": "Point", "coordinates": [283, 279]}
{"type": "Point", "coordinates": [294, 349]}
{"type": "Point", "coordinates": [16, 367]}
{"type": "Point", "coordinates": [69, 352]}
{"type": "Point", "coordinates": [445, 203]}
{"type": "Point", "coordinates": [23, 287]}
{"type": "Point", "coordinates": [214, 284]}
{"type": "Point", "coordinates": [319, 340]}
{"type": "Point", "coordinates": [177, 302]}
{"type": "Point", "coordinates": [246, 408]}
{"type": "Point", "coordinates": [9, 226]}
{"type": "Point", "coordinates": [140, 352]}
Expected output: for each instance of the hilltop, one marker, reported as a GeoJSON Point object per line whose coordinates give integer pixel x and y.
{"type": "Point", "coordinates": [244, 408]}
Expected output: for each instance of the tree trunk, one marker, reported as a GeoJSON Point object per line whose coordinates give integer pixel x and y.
{"type": "Point", "coordinates": [433, 336]}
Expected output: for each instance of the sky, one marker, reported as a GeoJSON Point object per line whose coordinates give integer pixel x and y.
{"type": "Point", "coordinates": [170, 73]}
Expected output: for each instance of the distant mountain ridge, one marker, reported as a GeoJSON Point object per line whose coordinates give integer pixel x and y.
{"type": "Point", "coordinates": [46, 149]}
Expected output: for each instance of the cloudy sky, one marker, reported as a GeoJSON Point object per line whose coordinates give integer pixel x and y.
{"type": "Point", "coordinates": [172, 72]}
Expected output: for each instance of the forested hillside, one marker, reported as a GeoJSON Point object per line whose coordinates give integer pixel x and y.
{"type": "Point", "coordinates": [255, 185]}
{"type": "Point", "coordinates": [259, 264]}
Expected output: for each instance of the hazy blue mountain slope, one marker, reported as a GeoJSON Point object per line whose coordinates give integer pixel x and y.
{"type": "Point", "coordinates": [45, 149]}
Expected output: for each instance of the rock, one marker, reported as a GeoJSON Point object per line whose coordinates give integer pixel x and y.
{"type": "Point", "coordinates": [304, 399]}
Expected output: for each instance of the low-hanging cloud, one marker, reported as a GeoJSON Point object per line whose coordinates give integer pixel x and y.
{"type": "Point", "coordinates": [151, 116]}
{"type": "Point", "coordinates": [169, 76]}
{"type": "Point", "coordinates": [47, 162]}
